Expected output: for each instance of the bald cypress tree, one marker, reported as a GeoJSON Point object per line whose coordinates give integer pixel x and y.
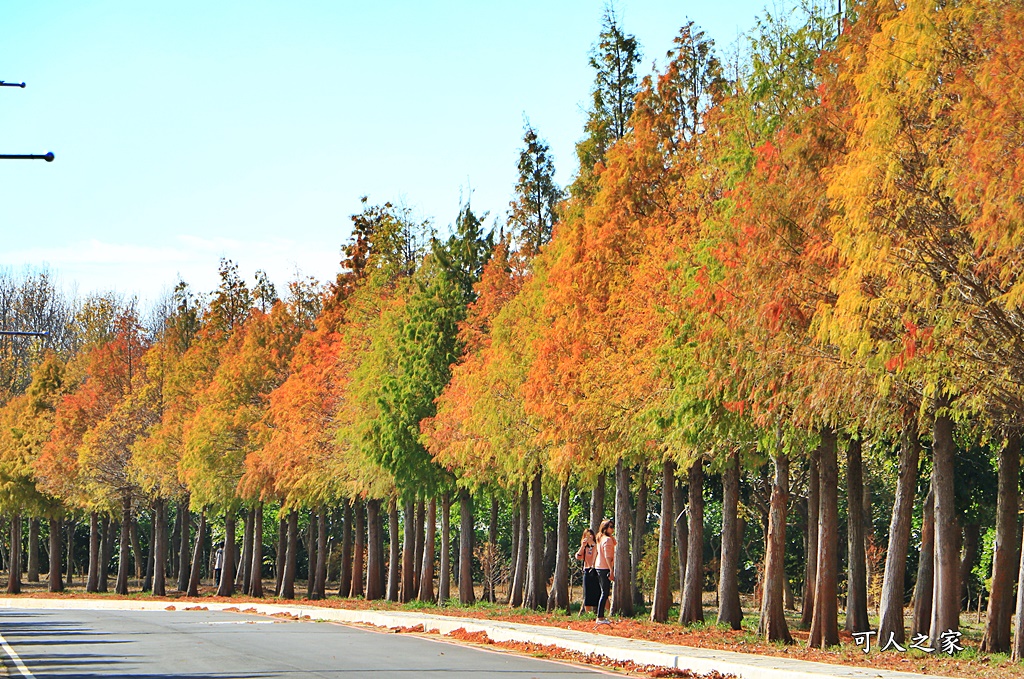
{"type": "Point", "coordinates": [614, 59]}
{"type": "Point", "coordinates": [533, 211]}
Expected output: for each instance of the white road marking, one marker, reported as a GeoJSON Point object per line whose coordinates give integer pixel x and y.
{"type": "Point", "coordinates": [14, 657]}
{"type": "Point", "coordinates": [238, 622]}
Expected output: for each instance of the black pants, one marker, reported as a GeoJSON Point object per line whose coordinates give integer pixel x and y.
{"type": "Point", "coordinates": [606, 590]}
{"type": "Point", "coordinates": [591, 587]}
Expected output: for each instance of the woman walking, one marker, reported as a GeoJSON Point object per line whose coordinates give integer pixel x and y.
{"type": "Point", "coordinates": [591, 585]}
{"type": "Point", "coordinates": [604, 563]}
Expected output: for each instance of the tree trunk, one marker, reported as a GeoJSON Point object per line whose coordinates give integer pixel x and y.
{"type": "Point", "coordinates": [408, 551]}
{"type": "Point", "coordinates": [623, 601]}
{"type": "Point", "coordinates": [426, 588]}
{"type": "Point", "coordinates": [492, 542]}
{"type": "Point", "coordinates": [925, 583]}
{"type": "Point", "coordinates": [773, 615]}
{"type": "Point", "coordinates": [968, 555]}
{"type": "Point", "coordinates": [160, 548]}
{"type": "Point", "coordinates": [946, 587]}
{"type": "Point", "coordinates": [810, 542]}
{"type": "Point", "coordinates": [466, 594]}
{"type": "Point", "coordinates": [375, 545]}
{"type": "Point", "coordinates": [92, 581]}
{"type": "Point", "coordinates": [639, 529]}
{"type": "Point", "coordinates": [394, 555]}
{"type": "Point", "coordinates": [136, 547]}
{"type": "Point", "coordinates": [320, 572]}
{"type": "Point", "coordinates": [729, 611]}
{"type": "Point", "coordinates": [291, 552]}
{"type": "Point", "coordinates": [1017, 651]}
{"type": "Point", "coordinates": [55, 579]}
{"type": "Point", "coordinates": [662, 599]}
{"type": "Point", "coordinates": [597, 503]}
{"type": "Point", "coordinates": [891, 606]}
{"type": "Point", "coordinates": [69, 555]}
{"type": "Point", "coordinates": [825, 618]}
{"type": "Point", "coordinates": [519, 575]}
{"type": "Point", "coordinates": [122, 566]}
{"type": "Point", "coordinates": [345, 586]}
{"type": "Point", "coordinates": [560, 584]}
{"type": "Point", "coordinates": [381, 556]}
{"type": "Point", "coordinates": [147, 581]}
{"type": "Point", "coordinates": [550, 549]}
{"type": "Point", "coordinates": [682, 533]}
{"type": "Point", "coordinates": [359, 549]}
{"type": "Point", "coordinates": [106, 552]}
{"type": "Point", "coordinates": [514, 554]}
{"type": "Point", "coordinates": [184, 558]}
{"type": "Point", "coordinates": [692, 609]}
{"type": "Point", "coordinates": [246, 564]}
{"type": "Point", "coordinates": [227, 573]}
{"type": "Point", "coordinates": [197, 557]}
{"type": "Point", "coordinates": [280, 549]}
{"type": "Point", "coordinates": [997, 624]}
{"type": "Point", "coordinates": [445, 576]}
{"type": "Point", "coordinates": [256, 564]}
{"type": "Point", "coordinates": [174, 542]}
{"type": "Point", "coordinates": [381, 572]}
{"type": "Point", "coordinates": [867, 514]}
{"type": "Point", "coordinates": [856, 585]}
{"type": "Point", "coordinates": [32, 574]}
{"type": "Point", "coordinates": [417, 565]}
{"type": "Point", "coordinates": [311, 531]}
{"type": "Point", "coordinates": [536, 583]}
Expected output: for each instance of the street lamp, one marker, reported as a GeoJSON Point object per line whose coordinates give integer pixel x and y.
{"type": "Point", "coordinates": [48, 156]}
{"type": "Point", "coordinates": [26, 333]}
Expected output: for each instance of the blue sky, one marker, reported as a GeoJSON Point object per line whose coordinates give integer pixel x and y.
{"type": "Point", "coordinates": [190, 130]}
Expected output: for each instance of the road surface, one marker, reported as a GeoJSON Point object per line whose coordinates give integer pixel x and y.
{"type": "Point", "coordinates": [215, 645]}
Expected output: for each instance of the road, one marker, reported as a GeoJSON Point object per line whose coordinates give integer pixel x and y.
{"type": "Point", "coordinates": [215, 645]}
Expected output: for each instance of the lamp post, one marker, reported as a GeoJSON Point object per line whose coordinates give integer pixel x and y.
{"type": "Point", "coordinates": [48, 156]}
{"type": "Point", "coordinates": [26, 333]}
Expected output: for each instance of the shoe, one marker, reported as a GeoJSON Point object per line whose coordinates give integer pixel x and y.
{"type": "Point", "coordinates": [603, 621]}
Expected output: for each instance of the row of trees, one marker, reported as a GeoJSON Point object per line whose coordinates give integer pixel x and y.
{"type": "Point", "coordinates": [758, 268]}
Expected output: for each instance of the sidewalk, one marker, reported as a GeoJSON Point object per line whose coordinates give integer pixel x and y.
{"type": "Point", "coordinates": [745, 665]}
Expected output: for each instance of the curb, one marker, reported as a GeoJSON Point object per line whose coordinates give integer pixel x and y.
{"type": "Point", "coordinates": [700, 660]}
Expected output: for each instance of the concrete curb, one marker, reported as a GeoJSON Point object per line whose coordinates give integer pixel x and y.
{"type": "Point", "coordinates": [745, 665]}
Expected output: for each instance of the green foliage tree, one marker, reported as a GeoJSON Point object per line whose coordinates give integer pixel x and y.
{"type": "Point", "coordinates": [533, 211]}
{"type": "Point", "coordinates": [614, 59]}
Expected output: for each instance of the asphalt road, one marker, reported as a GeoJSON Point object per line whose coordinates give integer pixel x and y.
{"type": "Point", "coordinates": [215, 645]}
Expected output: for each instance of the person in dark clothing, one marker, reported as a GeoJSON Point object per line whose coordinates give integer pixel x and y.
{"type": "Point", "coordinates": [587, 553]}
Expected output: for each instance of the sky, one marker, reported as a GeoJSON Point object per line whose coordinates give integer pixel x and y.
{"type": "Point", "coordinates": [192, 130]}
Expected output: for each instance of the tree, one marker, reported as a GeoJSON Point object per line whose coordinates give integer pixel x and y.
{"type": "Point", "coordinates": [423, 348]}
{"type": "Point", "coordinates": [25, 424]}
{"type": "Point", "coordinates": [32, 303]}
{"type": "Point", "coordinates": [175, 372]}
{"type": "Point", "coordinates": [225, 427]}
{"type": "Point", "coordinates": [84, 460]}
{"type": "Point", "coordinates": [533, 211]}
{"type": "Point", "coordinates": [614, 59]}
